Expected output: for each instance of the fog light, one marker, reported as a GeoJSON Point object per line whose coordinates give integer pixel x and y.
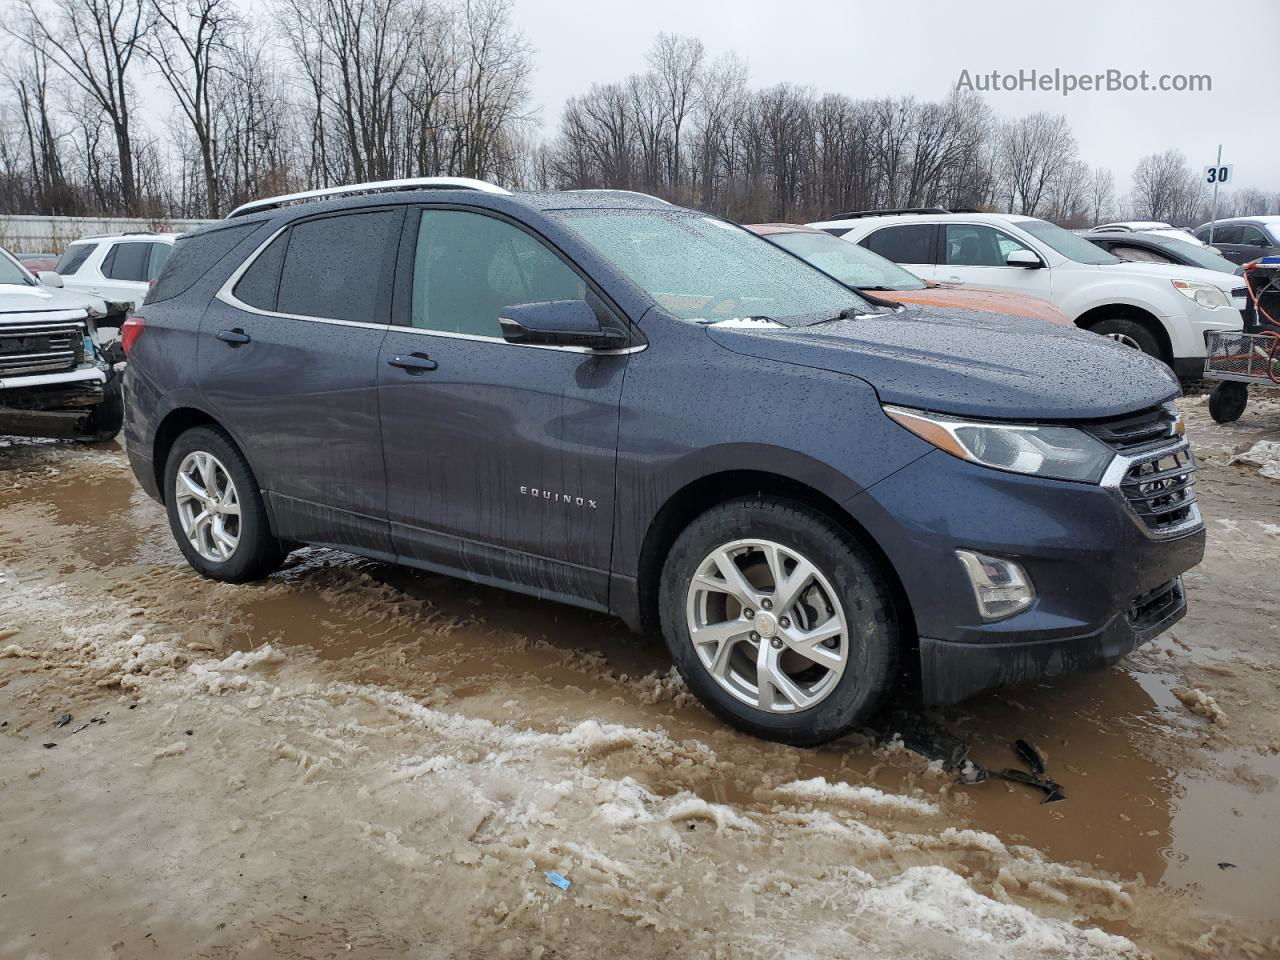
{"type": "Point", "coordinates": [1002, 587]}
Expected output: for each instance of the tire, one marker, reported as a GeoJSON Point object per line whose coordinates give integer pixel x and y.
{"type": "Point", "coordinates": [1228, 400]}
{"type": "Point", "coordinates": [107, 418]}
{"type": "Point", "coordinates": [848, 583]}
{"type": "Point", "coordinates": [1131, 334]}
{"type": "Point", "coordinates": [256, 552]}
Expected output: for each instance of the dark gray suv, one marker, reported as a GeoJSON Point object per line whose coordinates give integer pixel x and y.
{"type": "Point", "coordinates": [602, 399]}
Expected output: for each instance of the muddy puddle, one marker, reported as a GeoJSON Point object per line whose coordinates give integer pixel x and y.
{"type": "Point", "coordinates": [1152, 794]}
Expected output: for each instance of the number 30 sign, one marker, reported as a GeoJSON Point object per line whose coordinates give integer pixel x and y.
{"type": "Point", "coordinates": [1218, 173]}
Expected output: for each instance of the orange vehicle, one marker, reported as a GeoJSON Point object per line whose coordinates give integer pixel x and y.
{"type": "Point", "coordinates": [866, 270]}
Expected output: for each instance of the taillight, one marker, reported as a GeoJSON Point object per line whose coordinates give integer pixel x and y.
{"type": "Point", "coordinates": [130, 330]}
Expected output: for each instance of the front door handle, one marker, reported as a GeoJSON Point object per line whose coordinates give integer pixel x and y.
{"type": "Point", "coordinates": [414, 363]}
{"type": "Point", "coordinates": [236, 337]}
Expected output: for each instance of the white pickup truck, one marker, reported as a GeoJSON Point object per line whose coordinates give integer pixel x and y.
{"type": "Point", "coordinates": [55, 380]}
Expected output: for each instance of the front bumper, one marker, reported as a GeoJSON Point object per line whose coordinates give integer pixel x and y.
{"type": "Point", "coordinates": [55, 405]}
{"type": "Point", "coordinates": [1095, 564]}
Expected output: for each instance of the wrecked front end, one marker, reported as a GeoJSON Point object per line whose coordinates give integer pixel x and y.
{"type": "Point", "coordinates": [53, 376]}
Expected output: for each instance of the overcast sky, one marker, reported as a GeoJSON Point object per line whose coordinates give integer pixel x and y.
{"type": "Point", "coordinates": [872, 48]}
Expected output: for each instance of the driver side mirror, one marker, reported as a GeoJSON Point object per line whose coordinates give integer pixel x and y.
{"type": "Point", "coordinates": [558, 323]}
{"type": "Point", "coordinates": [48, 278]}
{"type": "Point", "coordinates": [1024, 258]}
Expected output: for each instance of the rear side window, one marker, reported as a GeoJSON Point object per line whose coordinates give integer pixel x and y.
{"type": "Point", "coordinates": [73, 258]}
{"type": "Point", "coordinates": [909, 243]}
{"type": "Point", "coordinates": [189, 258]}
{"type": "Point", "coordinates": [1226, 233]}
{"type": "Point", "coordinates": [339, 267]}
{"type": "Point", "coordinates": [128, 261]}
{"type": "Point", "coordinates": [257, 287]}
{"type": "Point", "coordinates": [159, 254]}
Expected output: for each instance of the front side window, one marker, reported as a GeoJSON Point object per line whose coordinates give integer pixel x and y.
{"type": "Point", "coordinates": [975, 245]}
{"type": "Point", "coordinates": [700, 268]}
{"type": "Point", "coordinates": [1252, 236]}
{"type": "Point", "coordinates": [1226, 233]}
{"type": "Point", "coordinates": [73, 258]}
{"type": "Point", "coordinates": [13, 272]}
{"type": "Point", "coordinates": [338, 267]}
{"type": "Point", "coordinates": [468, 268]}
{"type": "Point", "coordinates": [847, 262]}
{"type": "Point", "coordinates": [127, 261]}
{"type": "Point", "coordinates": [909, 243]}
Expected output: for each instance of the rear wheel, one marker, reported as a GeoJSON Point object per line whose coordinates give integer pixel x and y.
{"type": "Point", "coordinates": [215, 510]}
{"type": "Point", "coordinates": [1129, 333]}
{"type": "Point", "coordinates": [780, 622]}
{"type": "Point", "coordinates": [1228, 400]}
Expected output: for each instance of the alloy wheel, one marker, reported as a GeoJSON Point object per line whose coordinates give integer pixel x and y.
{"type": "Point", "coordinates": [1124, 339]}
{"type": "Point", "coordinates": [208, 506]}
{"type": "Point", "coordinates": [767, 625]}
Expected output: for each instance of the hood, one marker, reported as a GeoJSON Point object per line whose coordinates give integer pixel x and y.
{"type": "Point", "coordinates": [978, 299]}
{"type": "Point", "coordinates": [20, 298]}
{"type": "Point", "coordinates": [1172, 271]}
{"type": "Point", "coordinates": [970, 364]}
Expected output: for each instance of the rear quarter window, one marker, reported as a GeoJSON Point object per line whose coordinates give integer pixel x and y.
{"type": "Point", "coordinates": [73, 259]}
{"type": "Point", "coordinates": [191, 258]}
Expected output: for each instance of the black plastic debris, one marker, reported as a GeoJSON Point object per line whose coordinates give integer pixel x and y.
{"type": "Point", "coordinates": [48, 746]}
{"type": "Point", "coordinates": [1225, 865]}
{"type": "Point", "coordinates": [63, 720]}
{"type": "Point", "coordinates": [90, 721]}
{"type": "Point", "coordinates": [1034, 776]}
{"type": "Point", "coordinates": [1029, 756]}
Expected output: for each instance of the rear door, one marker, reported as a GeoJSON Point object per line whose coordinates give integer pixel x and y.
{"type": "Point", "coordinates": [288, 357]}
{"type": "Point", "coordinates": [911, 245]}
{"type": "Point", "coordinates": [1226, 237]}
{"type": "Point", "coordinates": [975, 254]}
{"type": "Point", "coordinates": [500, 457]}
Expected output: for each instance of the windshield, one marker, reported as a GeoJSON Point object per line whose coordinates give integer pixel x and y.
{"type": "Point", "coordinates": [847, 262]}
{"type": "Point", "coordinates": [1195, 254]}
{"type": "Point", "coordinates": [704, 269]}
{"type": "Point", "coordinates": [1068, 244]}
{"type": "Point", "coordinates": [13, 272]}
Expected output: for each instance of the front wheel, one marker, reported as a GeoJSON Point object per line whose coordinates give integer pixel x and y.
{"type": "Point", "coordinates": [215, 510]}
{"type": "Point", "coordinates": [1129, 333]}
{"type": "Point", "coordinates": [778, 620]}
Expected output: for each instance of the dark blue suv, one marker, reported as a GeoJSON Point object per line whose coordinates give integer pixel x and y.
{"type": "Point", "coordinates": [602, 399]}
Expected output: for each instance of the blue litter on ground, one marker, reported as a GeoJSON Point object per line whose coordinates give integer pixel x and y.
{"type": "Point", "coordinates": [559, 879]}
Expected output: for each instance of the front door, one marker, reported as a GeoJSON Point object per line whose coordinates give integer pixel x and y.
{"type": "Point", "coordinates": [975, 255]}
{"type": "Point", "coordinates": [288, 357]}
{"type": "Point", "coordinates": [500, 458]}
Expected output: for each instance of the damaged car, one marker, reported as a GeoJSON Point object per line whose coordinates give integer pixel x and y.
{"type": "Point", "coordinates": [606, 400]}
{"type": "Point", "coordinates": [55, 379]}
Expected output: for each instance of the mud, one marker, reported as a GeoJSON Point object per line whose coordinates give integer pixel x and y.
{"type": "Point", "coordinates": [358, 759]}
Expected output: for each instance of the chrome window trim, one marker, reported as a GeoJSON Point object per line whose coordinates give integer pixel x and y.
{"type": "Point", "coordinates": [1119, 469]}
{"type": "Point", "coordinates": [226, 295]}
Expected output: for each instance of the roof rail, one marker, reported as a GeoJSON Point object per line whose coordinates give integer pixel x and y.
{"type": "Point", "coordinates": [630, 193]}
{"type": "Point", "coordinates": [121, 233]}
{"type": "Point", "coordinates": [856, 214]}
{"type": "Point", "coordinates": [379, 186]}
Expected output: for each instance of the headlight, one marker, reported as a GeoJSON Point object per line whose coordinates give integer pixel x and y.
{"type": "Point", "coordinates": [1063, 453]}
{"type": "Point", "coordinates": [1205, 294]}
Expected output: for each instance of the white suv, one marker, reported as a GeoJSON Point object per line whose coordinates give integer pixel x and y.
{"type": "Point", "coordinates": [1162, 309]}
{"type": "Point", "coordinates": [119, 267]}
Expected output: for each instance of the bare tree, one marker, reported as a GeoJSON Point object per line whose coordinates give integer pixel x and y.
{"type": "Point", "coordinates": [189, 44]}
{"type": "Point", "coordinates": [94, 42]}
{"type": "Point", "coordinates": [1102, 195]}
{"type": "Point", "coordinates": [677, 71]}
{"type": "Point", "coordinates": [1033, 149]}
{"type": "Point", "coordinates": [1164, 188]}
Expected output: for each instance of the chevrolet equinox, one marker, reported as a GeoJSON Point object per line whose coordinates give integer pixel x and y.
{"type": "Point", "coordinates": [599, 398]}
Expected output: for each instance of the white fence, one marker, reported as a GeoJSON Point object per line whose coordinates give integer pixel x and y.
{"type": "Point", "coordinates": [22, 234]}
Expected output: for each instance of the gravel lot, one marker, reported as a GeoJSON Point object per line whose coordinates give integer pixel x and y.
{"type": "Point", "coordinates": [353, 759]}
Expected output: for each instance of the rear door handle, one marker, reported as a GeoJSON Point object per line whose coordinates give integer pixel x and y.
{"type": "Point", "coordinates": [414, 363]}
{"type": "Point", "coordinates": [236, 337]}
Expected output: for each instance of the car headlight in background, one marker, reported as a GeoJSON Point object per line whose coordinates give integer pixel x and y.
{"type": "Point", "coordinates": [1205, 294]}
{"type": "Point", "coordinates": [1063, 453]}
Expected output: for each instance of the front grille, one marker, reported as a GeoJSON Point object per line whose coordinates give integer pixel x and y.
{"type": "Point", "coordinates": [1161, 489]}
{"type": "Point", "coordinates": [40, 347]}
{"type": "Point", "coordinates": [1136, 431]}
{"type": "Point", "coordinates": [1156, 606]}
